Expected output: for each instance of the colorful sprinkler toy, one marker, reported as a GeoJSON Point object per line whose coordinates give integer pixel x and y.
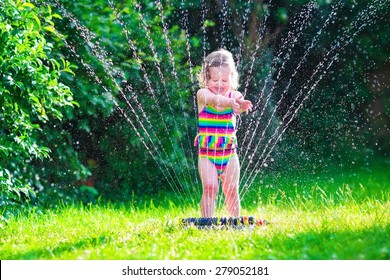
{"type": "Point", "coordinates": [223, 222]}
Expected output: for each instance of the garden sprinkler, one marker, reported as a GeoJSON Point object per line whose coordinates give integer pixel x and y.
{"type": "Point", "coordinates": [237, 222]}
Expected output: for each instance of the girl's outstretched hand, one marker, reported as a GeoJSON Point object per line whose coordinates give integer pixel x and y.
{"type": "Point", "coordinates": [245, 105]}
{"type": "Point", "coordinates": [235, 106]}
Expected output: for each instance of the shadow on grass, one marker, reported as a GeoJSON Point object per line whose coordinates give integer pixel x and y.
{"type": "Point", "coordinates": [368, 244]}
{"type": "Point", "coordinates": [55, 252]}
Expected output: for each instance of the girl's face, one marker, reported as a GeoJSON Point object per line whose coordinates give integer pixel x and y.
{"type": "Point", "coordinates": [219, 82]}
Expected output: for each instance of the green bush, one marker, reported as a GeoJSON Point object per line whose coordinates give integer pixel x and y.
{"type": "Point", "coordinates": [30, 93]}
{"type": "Point", "coordinates": [98, 135]}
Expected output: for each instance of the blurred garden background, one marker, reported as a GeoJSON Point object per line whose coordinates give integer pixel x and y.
{"type": "Point", "coordinates": [97, 97]}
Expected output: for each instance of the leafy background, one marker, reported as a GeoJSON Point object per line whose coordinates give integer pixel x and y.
{"type": "Point", "coordinates": [69, 69]}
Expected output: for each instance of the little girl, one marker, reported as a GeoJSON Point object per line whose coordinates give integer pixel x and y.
{"type": "Point", "coordinates": [218, 105]}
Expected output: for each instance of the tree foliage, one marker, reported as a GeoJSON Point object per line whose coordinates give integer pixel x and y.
{"type": "Point", "coordinates": [30, 92]}
{"type": "Point", "coordinates": [135, 79]}
{"type": "Point", "coordinates": [133, 85]}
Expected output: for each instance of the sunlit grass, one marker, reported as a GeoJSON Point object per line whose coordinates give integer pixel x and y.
{"type": "Point", "coordinates": [326, 220]}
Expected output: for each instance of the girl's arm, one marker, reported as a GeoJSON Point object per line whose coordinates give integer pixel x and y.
{"type": "Point", "coordinates": [245, 105]}
{"type": "Point", "coordinates": [205, 96]}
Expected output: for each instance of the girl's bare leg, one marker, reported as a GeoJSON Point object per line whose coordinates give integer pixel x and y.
{"type": "Point", "coordinates": [209, 177]}
{"type": "Point", "coordinates": [230, 181]}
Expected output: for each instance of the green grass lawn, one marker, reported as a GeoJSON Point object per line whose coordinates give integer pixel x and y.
{"type": "Point", "coordinates": [345, 217]}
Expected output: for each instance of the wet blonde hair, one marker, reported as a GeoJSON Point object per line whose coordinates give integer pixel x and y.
{"type": "Point", "coordinates": [218, 58]}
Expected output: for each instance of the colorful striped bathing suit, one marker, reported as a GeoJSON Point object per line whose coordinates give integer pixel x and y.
{"type": "Point", "coordinates": [216, 137]}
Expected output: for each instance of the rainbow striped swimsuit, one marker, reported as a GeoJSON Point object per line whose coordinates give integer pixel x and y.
{"type": "Point", "coordinates": [216, 139]}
